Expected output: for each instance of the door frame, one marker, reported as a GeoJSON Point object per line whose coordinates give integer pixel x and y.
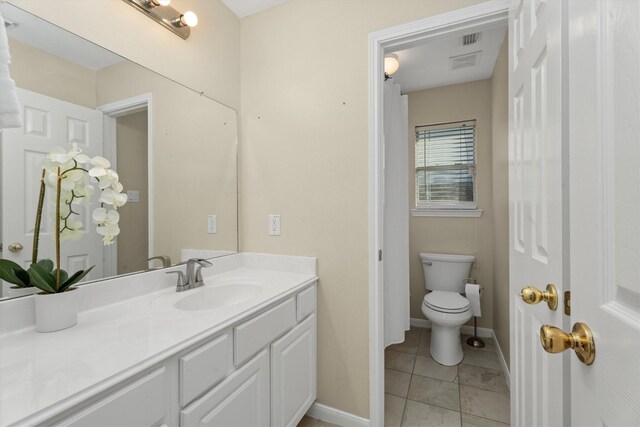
{"type": "Point", "coordinates": [483, 14]}
{"type": "Point", "coordinates": [111, 112]}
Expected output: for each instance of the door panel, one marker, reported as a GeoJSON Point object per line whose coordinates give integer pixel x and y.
{"type": "Point", "coordinates": [605, 207]}
{"type": "Point", "coordinates": [535, 204]}
{"type": "Point", "coordinates": [48, 122]}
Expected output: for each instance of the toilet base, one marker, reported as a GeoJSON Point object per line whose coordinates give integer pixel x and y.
{"type": "Point", "coordinates": [445, 345]}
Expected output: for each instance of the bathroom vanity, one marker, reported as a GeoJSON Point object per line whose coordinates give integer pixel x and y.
{"type": "Point", "coordinates": [240, 350]}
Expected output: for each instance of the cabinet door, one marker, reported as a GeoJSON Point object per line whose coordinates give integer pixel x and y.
{"type": "Point", "coordinates": [293, 374]}
{"type": "Point", "coordinates": [241, 400]}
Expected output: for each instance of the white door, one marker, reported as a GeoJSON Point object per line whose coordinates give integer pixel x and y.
{"type": "Point", "coordinates": [48, 122]}
{"type": "Point", "coordinates": [535, 206]}
{"type": "Point", "coordinates": [604, 87]}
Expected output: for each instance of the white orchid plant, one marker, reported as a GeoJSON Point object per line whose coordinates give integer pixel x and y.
{"type": "Point", "coordinates": [73, 176]}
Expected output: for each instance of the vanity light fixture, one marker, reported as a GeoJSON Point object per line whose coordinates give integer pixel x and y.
{"type": "Point", "coordinates": [391, 65]}
{"type": "Point", "coordinates": [165, 15]}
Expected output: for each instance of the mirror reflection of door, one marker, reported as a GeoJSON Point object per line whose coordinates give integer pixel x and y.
{"type": "Point", "coordinates": [131, 155]}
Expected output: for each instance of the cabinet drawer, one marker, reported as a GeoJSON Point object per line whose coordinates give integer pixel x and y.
{"type": "Point", "coordinates": [240, 400]}
{"type": "Point", "coordinates": [256, 333]}
{"type": "Point", "coordinates": [141, 403]}
{"type": "Point", "coordinates": [306, 303]}
{"type": "Point", "coordinates": [203, 368]}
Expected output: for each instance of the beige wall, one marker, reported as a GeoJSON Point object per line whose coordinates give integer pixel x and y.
{"type": "Point", "coordinates": [465, 101]}
{"type": "Point", "coordinates": [39, 71]}
{"type": "Point", "coordinates": [131, 153]}
{"type": "Point", "coordinates": [208, 61]}
{"type": "Point", "coordinates": [500, 127]}
{"type": "Point", "coordinates": [194, 160]}
{"type": "Point", "coordinates": [304, 155]}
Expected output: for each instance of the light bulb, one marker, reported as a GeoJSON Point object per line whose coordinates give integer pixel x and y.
{"type": "Point", "coordinates": [189, 18]}
{"type": "Point", "coordinates": [391, 64]}
{"type": "Point", "coordinates": [156, 3]}
{"type": "Point", "coordinates": [164, 2]}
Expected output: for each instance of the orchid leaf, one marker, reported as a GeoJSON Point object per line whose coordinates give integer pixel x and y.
{"type": "Point", "coordinates": [75, 278]}
{"type": "Point", "coordinates": [8, 271]}
{"type": "Point", "coordinates": [42, 279]}
{"type": "Point", "coordinates": [24, 277]}
{"type": "Point", "coordinates": [47, 264]}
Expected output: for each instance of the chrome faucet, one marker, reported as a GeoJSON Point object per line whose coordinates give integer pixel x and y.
{"type": "Point", "coordinates": [192, 279]}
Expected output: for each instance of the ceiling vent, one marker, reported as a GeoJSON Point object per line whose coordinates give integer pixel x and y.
{"type": "Point", "coordinates": [472, 38]}
{"type": "Point", "coordinates": [8, 24]}
{"type": "Point", "coordinates": [465, 60]}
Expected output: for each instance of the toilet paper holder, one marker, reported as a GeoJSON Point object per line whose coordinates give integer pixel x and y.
{"type": "Point", "coordinates": [474, 341]}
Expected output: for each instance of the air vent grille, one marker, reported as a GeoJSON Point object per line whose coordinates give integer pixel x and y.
{"type": "Point", "coordinates": [8, 24]}
{"type": "Point", "coordinates": [472, 38]}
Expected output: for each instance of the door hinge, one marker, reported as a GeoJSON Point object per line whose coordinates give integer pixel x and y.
{"type": "Point", "coordinates": [379, 254]}
{"type": "Point", "coordinates": [567, 303]}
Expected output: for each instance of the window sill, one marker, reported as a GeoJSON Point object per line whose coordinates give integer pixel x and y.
{"type": "Point", "coordinates": [454, 213]}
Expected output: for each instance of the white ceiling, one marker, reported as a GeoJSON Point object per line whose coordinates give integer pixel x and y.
{"type": "Point", "coordinates": [244, 8]}
{"type": "Point", "coordinates": [428, 65]}
{"type": "Point", "coordinates": [45, 36]}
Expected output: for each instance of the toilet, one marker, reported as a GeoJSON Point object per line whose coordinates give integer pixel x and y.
{"type": "Point", "coordinates": [445, 276]}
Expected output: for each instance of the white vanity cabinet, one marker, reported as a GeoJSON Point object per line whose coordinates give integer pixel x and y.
{"type": "Point", "coordinates": [259, 371]}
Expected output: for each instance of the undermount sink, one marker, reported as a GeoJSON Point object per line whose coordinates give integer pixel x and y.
{"type": "Point", "coordinates": [211, 297]}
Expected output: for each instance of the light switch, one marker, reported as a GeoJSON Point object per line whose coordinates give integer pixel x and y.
{"type": "Point", "coordinates": [133, 196]}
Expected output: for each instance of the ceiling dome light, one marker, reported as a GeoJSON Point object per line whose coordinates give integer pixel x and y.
{"type": "Point", "coordinates": [189, 19]}
{"type": "Point", "coordinates": [391, 64]}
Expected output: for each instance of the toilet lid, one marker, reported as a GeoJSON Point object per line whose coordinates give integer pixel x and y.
{"type": "Point", "coordinates": [447, 302]}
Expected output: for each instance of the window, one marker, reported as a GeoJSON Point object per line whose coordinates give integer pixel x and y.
{"type": "Point", "coordinates": [445, 166]}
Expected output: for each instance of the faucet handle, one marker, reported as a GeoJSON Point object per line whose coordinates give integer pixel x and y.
{"type": "Point", "coordinates": [181, 280]}
{"type": "Point", "coordinates": [202, 262]}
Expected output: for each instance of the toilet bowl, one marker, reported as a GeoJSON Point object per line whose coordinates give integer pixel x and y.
{"type": "Point", "coordinates": [444, 306]}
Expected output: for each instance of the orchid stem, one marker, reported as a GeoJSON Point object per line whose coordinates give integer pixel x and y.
{"type": "Point", "coordinates": [58, 230]}
{"type": "Point", "coordinates": [36, 230]}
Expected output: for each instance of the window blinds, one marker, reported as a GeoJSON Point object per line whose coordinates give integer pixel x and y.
{"type": "Point", "coordinates": [445, 164]}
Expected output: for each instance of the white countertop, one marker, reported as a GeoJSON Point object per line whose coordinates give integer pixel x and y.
{"type": "Point", "coordinates": [43, 374]}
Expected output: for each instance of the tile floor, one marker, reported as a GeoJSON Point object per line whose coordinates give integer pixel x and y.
{"type": "Point", "coordinates": [421, 392]}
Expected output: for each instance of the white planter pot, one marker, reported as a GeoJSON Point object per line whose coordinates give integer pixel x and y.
{"type": "Point", "coordinates": [56, 311]}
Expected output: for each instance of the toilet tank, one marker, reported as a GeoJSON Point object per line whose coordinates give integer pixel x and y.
{"type": "Point", "coordinates": [446, 272]}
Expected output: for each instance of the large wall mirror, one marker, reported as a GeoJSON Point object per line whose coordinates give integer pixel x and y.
{"type": "Point", "coordinates": [174, 149]}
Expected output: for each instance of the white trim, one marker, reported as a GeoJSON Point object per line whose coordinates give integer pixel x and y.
{"type": "Point", "coordinates": [483, 14]}
{"type": "Point", "coordinates": [503, 362]}
{"type": "Point", "coordinates": [455, 213]}
{"type": "Point", "coordinates": [122, 108]}
{"type": "Point", "coordinates": [420, 323]}
{"type": "Point", "coordinates": [336, 416]}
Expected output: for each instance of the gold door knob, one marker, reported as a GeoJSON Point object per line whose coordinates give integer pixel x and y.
{"type": "Point", "coordinates": [580, 339]}
{"type": "Point", "coordinates": [532, 295]}
{"type": "Point", "coordinates": [15, 247]}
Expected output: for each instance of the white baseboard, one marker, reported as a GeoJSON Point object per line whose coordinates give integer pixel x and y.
{"type": "Point", "coordinates": [420, 323]}
{"type": "Point", "coordinates": [503, 363]}
{"type": "Point", "coordinates": [336, 416]}
{"type": "Point", "coordinates": [482, 332]}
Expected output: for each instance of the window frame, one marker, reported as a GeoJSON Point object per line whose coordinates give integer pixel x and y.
{"type": "Point", "coordinates": [447, 208]}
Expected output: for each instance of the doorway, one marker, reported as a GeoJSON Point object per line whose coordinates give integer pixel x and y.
{"type": "Point", "coordinates": [461, 21]}
{"type": "Point", "coordinates": [128, 136]}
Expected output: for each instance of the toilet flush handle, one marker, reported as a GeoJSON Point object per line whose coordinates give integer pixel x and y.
{"type": "Point", "coordinates": [428, 263]}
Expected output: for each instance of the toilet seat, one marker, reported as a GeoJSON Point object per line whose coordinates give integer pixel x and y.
{"type": "Point", "coordinates": [446, 302]}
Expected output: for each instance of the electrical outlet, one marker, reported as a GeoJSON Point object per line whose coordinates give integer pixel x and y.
{"type": "Point", "coordinates": [274, 225]}
{"type": "Point", "coordinates": [212, 224]}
